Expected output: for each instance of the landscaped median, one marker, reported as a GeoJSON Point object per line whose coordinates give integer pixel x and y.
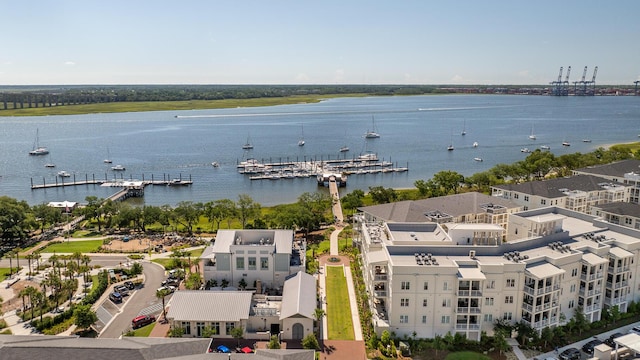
{"type": "Point", "coordinates": [339, 324]}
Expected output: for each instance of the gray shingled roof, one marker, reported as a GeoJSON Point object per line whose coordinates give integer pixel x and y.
{"type": "Point", "coordinates": [223, 306]}
{"type": "Point", "coordinates": [71, 347]}
{"type": "Point", "coordinates": [299, 296]}
{"type": "Point", "coordinates": [454, 205]}
{"type": "Point", "coordinates": [617, 169]}
{"type": "Point", "coordinates": [621, 208]}
{"type": "Point", "coordinates": [550, 189]}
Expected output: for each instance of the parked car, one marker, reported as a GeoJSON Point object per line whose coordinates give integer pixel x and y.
{"type": "Point", "coordinates": [115, 297]}
{"type": "Point", "coordinates": [610, 341]}
{"type": "Point", "coordinates": [123, 290]}
{"type": "Point", "coordinates": [142, 320]}
{"type": "Point", "coordinates": [130, 285]}
{"type": "Point", "coordinates": [588, 347]}
{"type": "Point", "coordinates": [570, 354]}
{"type": "Point", "coordinates": [635, 330]}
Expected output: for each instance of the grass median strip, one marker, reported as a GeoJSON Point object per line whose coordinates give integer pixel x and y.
{"type": "Point", "coordinates": [87, 246]}
{"type": "Point", "coordinates": [339, 322]}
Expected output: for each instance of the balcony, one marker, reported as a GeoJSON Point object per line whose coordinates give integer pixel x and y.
{"type": "Point", "coordinates": [467, 326]}
{"type": "Point", "coordinates": [585, 277]}
{"type": "Point", "coordinates": [380, 277]}
{"type": "Point", "coordinates": [614, 301]}
{"type": "Point", "coordinates": [379, 293]}
{"type": "Point", "coordinates": [527, 307]}
{"type": "Point", "coordinates": [470, 293]}
{"type": "Point", "coordinates": [618, 270]}
{"type": "Point", "coordinates": [589, 293]}
{"type": "Point", "coordinates": [468, 310]}
{"type": "Point", "coordinates": [591, 308]}
{"type": "Point", "coordinates": [617, 285]}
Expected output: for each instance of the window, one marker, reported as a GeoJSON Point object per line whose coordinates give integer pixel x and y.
{"type": "Point", "coordinates": [404, 302]}
{"type": "Point", "coordinates": [404, 319]}
{"type": "Point", "coordinates": [543, 202]}
{"type": "Point", "coordinates": [488, 301]}
{"type": "Point", "coordinates": [199, 328]}
{"type": "Point", "coordinates": [252, 263]}
{"type": "Point", "coordinates": [571, 304]}
{"type": "Point", "coordinates": [574, 272]}
{"type": "Point", "coordinates": [446, 302]}
{"type": "Point", "coordinates": [445, 319]}
{"type": "Point", "coordinates": [526, 198]}
{"type": "Point", "coordinates": [215, 326]}
{"type": "Point", "coordinates": [229, 326]}
{"type": "Point", "coordinates": [264, 263]}
{"type": "Point", "coordinates": [445, 286]}
{"type": "Point", "coordinates": [491, 284]}
{"type": "Point", "coordinates": [239, 263]}
{"type": "Point", "coordinates": [573, 288]}
{"type": "Point", "coordinates": [186, 325]}
{"type": "Point", "coordinates": [516, 196]}
{"type": "Point", "coordinates": [507, 316]}
{"type": "Point", "coordinates": [405, 285]}
{"type": "Point", "coordinates": [426, 285]}
{"type": "Point", "coordinates": [511, 282]}
{"type": "Point", "coordinates": [424, 319]}
{"type": "Point", "coordinates": [508, 299]}
{"type": "Point", "coordinates": [488, 317]}
{"type": "Point", "coordinates": [424, 302]}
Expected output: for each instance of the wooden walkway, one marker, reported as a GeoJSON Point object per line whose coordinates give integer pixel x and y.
{"type": "Point", "coordinates": [335, 198]}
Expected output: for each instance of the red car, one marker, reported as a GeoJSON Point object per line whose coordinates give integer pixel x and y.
{"type": "Point", "coordinates": [142, 320]}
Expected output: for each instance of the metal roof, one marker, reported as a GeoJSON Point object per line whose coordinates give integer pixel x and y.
{"type": "Point", "coordinates": [299, 296]}
{"type": "Point", "coordinates": [544, 271]}
{"type": "Point", "coordinates": [213, 306]}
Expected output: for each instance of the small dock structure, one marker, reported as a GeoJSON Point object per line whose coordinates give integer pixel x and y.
{"type": "Point", "coordinates": [338, 180]}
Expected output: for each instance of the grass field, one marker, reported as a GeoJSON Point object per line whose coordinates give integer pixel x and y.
{"type": "Point", "coordinates": [4, 272]}
{"type": "Point", "coordinates": [167, 105]}
{"type": "Point", "coordinates": [338, 315]}
{"type": "Point", "coordinates": [73, 246]}
{"type": "Point", "coordinates": [466, 355]}
{"type": "Point", "coordinates": [144, 331]}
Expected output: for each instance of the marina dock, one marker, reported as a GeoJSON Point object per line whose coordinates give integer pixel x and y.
{"type": "Point", "coordinates": [114, 182]}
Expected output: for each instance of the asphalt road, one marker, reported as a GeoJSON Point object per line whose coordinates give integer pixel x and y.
{"type": "Point", "coordinates": [140, 301]}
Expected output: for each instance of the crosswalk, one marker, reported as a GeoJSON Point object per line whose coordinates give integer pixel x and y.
{"type": "Point", "coordinates": [153, 309]}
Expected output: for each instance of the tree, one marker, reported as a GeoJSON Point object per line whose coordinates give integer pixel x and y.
{"type": "Point", "coordinates": [84, 316]}
{"type": "Point", "coordinates": [580, 320]}
{"type": "Point", "coordinates": [161, 294]}
{"type": "Point", "coordinates": [448, 180]}
{"type": "Point", "coordinates": [353, 200]}
{"type": "Point", "coordinates": [237, 333]}
{"type": "Point", "coordinates": [318, 314]}
{"type": "Point", "coordinates": [14, 220]}
{"type": "Point", "coordinates": [500, 342]}
{"type": "Point", "coordinates": [546, 335]}
{"type": "Point", "coordinates": [193, 281]}
{"type": "Point", "coordinates": [274, 343]}
{"type": "Point", "coordinates": [187, 214]}
{"type": "Point", "coordinates": [380, 195]}
{"type": "Point", "coordinates": [242, 284]}
{"type": "Point", "coordinates": [176, 332]}
{"type": "Point", "coordinates": [247, 209]}
{"type": "Point", "coordinates": [614, 312]}
{"type": "Point", "coordinates": [310, 342]}
{"type": "Point", "coordinates": [438, 343]}
{"type": "Point", "coordinates": [208, 332]}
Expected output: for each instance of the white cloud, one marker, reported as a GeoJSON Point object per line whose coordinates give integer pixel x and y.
{"type": "Point", "coordinates": [302, 77]}
{"type": "Point", "coordinates": [457, 78]}
{"type": "Point", "coordinates": [70, 63]}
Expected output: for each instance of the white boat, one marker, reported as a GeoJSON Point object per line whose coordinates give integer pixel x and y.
{"type": "Point", "coordinates": [475, 144]}
{"type": "Point", "coordinates": [49, 165]}
{"type": "Point", "coordinates": [215, 164]}
{"type": "Point", "coordinates": [108, 159]}
{"type": "Point", "coordinates": [368, 156]}
{"type": "Point", "coordinates": [464, 128]}
{"type": "Point", "coordinates": [63, 174]}
{"type": "Point", "coordinates": [248, 145]}
{"type": "Point", "coordinates": [37, 149]}
{"type": "Point", "coordinates": [545, 147]}
{"type": "Point", "coordinates": [566, 143]}
{"type": "Point", "coordinates": [532, 136]}
{"type": "Point", "coordinates": [525, 150]}
{"type": "Point", "coordinates": [301, 141]}
{"type": "Point", "coordinates": [372, 134]}
{"type": "Point", "coordinates": [450, 147]}
{"type": "Point", "coordinates": [477, 159]}
{"type": "Point", "coordinates": [586, 140]}
{"type": "Point", "coordinates": [344, 149]}
{"type": "Point", "coordinates": [118, 168]}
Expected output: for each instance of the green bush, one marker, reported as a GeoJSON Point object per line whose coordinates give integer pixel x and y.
{"type": "Point", "coordinates": [97, 291]}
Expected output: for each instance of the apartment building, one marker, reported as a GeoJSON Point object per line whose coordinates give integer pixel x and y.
{"type": "Point", "coordinates": [262, 258]}
{"type": "Point", "coordinates": [625, 214]}
{"type": "Point", "coordinates": [424, 279]}
{"type": "Point", "coordinates": [624, 172]}
{"type": "Point", "coordinates": [578, 193]}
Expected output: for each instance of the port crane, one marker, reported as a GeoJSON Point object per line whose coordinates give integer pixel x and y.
{"type": "Point", "coordinates": [581, 83]}
{"type": "Point", "coordinates": [591, 91]}
{"type": "Point", "coordinates": [557, 85]}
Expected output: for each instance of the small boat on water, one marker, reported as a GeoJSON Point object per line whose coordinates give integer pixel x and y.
{"type": "Point", "coordinates": [477, 159]}
{"type": "Point", "coordinates": [37, 149]}
{"type": "Point", "coordinates": [49, 165]}
{"type": "Point", "coordinates": [475, 144]}
{"type": "Point", "coordinates": [63, 174]}
{"type": "Point", "coordinates": [372, 134]}
{"type": "Point", "coordinates": [450, 148]}
{"type": "Point", "coordinates": [586, 140]}
{"type": "Point", "coordinates": [566, 143]}
{"type": "Point", "coordinates": [369, 156]}
{"type": "Point", "coordinates": [215, 164]}
{"type": "Point", "coordinates": [301, 141]}
{"type": "Point", "coordinates": [107, 160]}
{"type": "Point", "coordinates": [464, 128]}
{"type": "Point", "coordinates": [118, 168]}
{"type": "Point", "coordinates": [525, 150]}
{"type": "Point", "coordinates": [344, 149]}
{"type": "Point", "coordinates": [545, 147]}
{"type": "Point", "coordinates": [532, 136]}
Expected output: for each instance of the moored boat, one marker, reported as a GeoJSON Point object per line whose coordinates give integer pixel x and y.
{"type": "Point", "coordinates": [118, 168]}
{"type": "Point", "coordinates": [63, 174]}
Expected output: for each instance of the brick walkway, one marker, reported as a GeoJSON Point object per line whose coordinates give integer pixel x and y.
{"type": "Point", "coordinates": [343, 349]}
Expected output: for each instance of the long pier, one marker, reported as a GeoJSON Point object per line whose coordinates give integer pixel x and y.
{"type": "Point", "coordinates": [114, 182]}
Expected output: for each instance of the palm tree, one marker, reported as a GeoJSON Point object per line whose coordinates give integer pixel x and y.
{"type": "Point", "coordinates": [318, 314]}
{"type": "Point", "coordinates": [9, 255]}
{"type": "Point", "coordinates": [160, 294]}
{"type": "Point", "coordinates": [31, 292]}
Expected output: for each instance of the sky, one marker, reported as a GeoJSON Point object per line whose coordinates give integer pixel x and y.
{"type": "Point", "coordinates": [418, 42]}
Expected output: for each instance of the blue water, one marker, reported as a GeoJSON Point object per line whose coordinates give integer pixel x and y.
{"type": "Point", "coordinates": [415, 132]}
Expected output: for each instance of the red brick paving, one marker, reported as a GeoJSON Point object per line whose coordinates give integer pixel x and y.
{"type": "Point", "coordinates": [343, 349]}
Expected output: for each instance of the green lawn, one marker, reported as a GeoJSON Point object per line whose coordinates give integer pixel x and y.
{"type": "Point", "coordinates": [466, 355]}
{"type": "Point", "coordinates": [339, 322]}
{"type": "Point", "coordinates": [144, 331]}
{"type": "Point", "coordinates": [73, 246]}
{"type": "Point", "coordinates": [4, 272]}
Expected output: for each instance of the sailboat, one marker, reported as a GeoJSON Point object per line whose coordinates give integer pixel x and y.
{"type": "Point", "coordinates": [533, 135]}
{"type": "Point", "coordinates": [450, 147]}
{"type": "Point", "coordinates": [372, 134]}
{"type": "Point", "coordinates": [108, 159]}
{"type": "Point", "coordinates": [464, 128]}
{"type": "Point", "coordinates": [49, 164]}
{"type": "Point", "coordinates": [37, 149]}
{"type": "Point", "coordinates": [301, 141]}
{"type": "Point", "coordinates": [248, 145]}
{"type": "Point", "coordinates": [344, 148]}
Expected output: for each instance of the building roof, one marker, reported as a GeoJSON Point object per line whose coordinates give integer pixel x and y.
{"type": "Point", "coordinates": [616, 169]}
{"type": "Point", "coordinates": [213, 306]}
{"type": "Point", "coordinates": [454, 205]}
{"type": "Point", "coordinates": [621, 208]}
{"type": "Point", "coordinates": [544, 270]}
{"type": "Point", "coordinates": [631, 340]}
{"type": "Point", "coordinates": [619, 252]}
{"type": "Point", "coordinates": [560, 187]}
{"type": "Point", "coordinates": [282, 240]}
{"type": "Point", "coordinates": [593, 259]}
{"type": "Point", "coordinates": [71, 347]}
{"type": "Point", "coordinates": [471, 273]}
{"type": "Point", "coordinates": [299, 296]}
{"type": "Point", "coordinates": [63, 204]}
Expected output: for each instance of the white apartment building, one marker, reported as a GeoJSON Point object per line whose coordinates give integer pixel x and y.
{"type": "Point", "coordinates": [625, 214]}
{"type": "Point", "coordinates": [263, 258]}
{"type": "Point", "coordinates": [624, 172]}
{"type": "Point", "coordinates": [424, 278]}
{"type": "Point", "coordinates": [578, 193]}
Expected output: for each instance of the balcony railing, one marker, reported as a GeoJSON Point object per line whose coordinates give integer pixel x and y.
{"type": "Point", "coordinates": [614, 301]}
{"type": "Point", "coordinates": [527, 307]}
{"type": "Point", "coordinates": [591, 277]}
{"type": "Point", "coordinates": [592, 308]}
{"type": "Point", "coordinates": [467, 326]}
{"type": "Point", "coordinates": [378, 293]}
{"type": "Point", "coordinates": [470, 293]}
{"type": "Point", "coordinates": [380, 277]}
{"type": "Point", "coordinates": [468, 310]}
{"type": "Point", "coordinates": [618, 269]}
{"type": "Point", "coordinates": [589, 293]}
{"type": "Point", "coordinates": [617, 285]}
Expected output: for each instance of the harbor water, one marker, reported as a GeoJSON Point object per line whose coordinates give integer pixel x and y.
{"type": "Point", "coordinates": [415, 132]}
